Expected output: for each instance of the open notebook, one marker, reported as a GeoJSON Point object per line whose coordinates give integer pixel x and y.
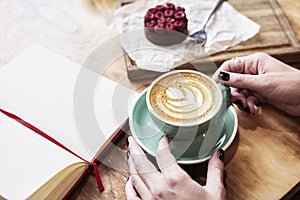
{"type": "Point", "coordinates": [70, 105]}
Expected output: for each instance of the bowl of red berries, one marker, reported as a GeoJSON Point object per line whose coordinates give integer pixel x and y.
{"type": "Point", "coordinates": [166, 24]}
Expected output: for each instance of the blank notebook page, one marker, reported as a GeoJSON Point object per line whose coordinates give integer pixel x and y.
{"type": "Point", "coordinates": [62, 99]}
{"type": "Point", "coordinates": [27, 160]}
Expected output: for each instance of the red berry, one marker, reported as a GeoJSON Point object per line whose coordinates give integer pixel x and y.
{"type": "Point", "coordinates": [161, 20]}
{"type": "Point", "coordinates": [170, 6]}
{"type": "Point", "coordinates": [160, 25]}
{"type": "Point", "coordinates": [170, 20]}
{"type": "Point", "coordinates": [152, 23]}
{"type": "Point", "coordinates": [160, 7]}
{"type": "Point", "coordinates": [169, 26]}
{"type": "Point", "coordinates": [179, 15]}
{"type": "Point", "coordinates": [169, 13]}
{"type": "Point", "coordinates": [159, 14]}
{"type": "Point", "coordinates": [152, 10]}
{"type": "Point", "coordinates": [148, 17]}
{"type": "Point", "coordinates": [179, 25]}
{"type": "Point", "coordinates": [179, 8]}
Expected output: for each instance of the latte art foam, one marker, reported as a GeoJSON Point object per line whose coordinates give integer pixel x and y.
{"type": "Point", "coordinates": [183, 98]}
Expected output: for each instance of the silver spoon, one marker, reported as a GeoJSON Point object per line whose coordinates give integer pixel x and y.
{"type": "Point", "coordinates": [200, 37]}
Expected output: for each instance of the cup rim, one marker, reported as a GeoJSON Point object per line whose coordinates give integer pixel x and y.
{"type": "Point", "coordinates": [194, 123]}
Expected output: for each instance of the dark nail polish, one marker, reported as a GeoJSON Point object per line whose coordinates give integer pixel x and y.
{"type": "Point", "coordinates": [127, 154]}
{"type": "Point", "coordinates": [240, 105]}
{"type": "Point", "coordinates": [225, 175]}
{"type": "Point", "coordinates": [238, 102]}
{"type": "Point", "coordinates": [224, 76]}
{"type": "Point", "coordinates": [246, 109]}
{"type": "Point", "coordinates": [221, 154]}
{"type": "Point", "coordinates": [161, 137]}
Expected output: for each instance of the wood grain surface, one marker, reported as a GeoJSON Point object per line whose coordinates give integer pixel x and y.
{"type": "Point", "coordinates": [276, 36]}
{"type": "Point", "coordinates": [262, 163]}
{"type": "Point", "coordinates": [291, 10]}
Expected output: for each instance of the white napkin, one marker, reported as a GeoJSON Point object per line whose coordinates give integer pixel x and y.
{"type": "Point", "coordinates": [226, 28]}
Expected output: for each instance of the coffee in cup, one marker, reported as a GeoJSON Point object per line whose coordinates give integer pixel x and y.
{"type": "Point", "coordinates": [189, 107]}
{"type": "Point", "coordinates": [184, 98]}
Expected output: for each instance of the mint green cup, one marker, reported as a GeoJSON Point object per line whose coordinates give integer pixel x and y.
{"type": "Point", "coordinates": [185, 91]}
{"type": "Point", "coordinates": [148, 134]}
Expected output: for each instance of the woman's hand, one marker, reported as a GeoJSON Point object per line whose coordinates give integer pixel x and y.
{"type": "Point", "coordinates": [259, 78]}
{"type": "Point", "coordinates": [171, 182]}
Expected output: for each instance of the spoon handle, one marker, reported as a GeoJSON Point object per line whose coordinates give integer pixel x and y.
{"type": "Point", "coordinates": [213, 11]}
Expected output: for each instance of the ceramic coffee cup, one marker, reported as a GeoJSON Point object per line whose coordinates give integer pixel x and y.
{"type": "Point", "coordinates": [183, 103]}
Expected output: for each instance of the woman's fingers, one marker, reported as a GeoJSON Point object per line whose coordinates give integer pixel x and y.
{"type": "Point", "coordinates": [250, 64]}
{"type": "Point", "coordinates": [247, 99]}
{"type": "Point", "coordinates": [242, 72]}
{"type": "Point", "coordinates": [130, 192]}
{"type": "Point", "coordinates": [236, 65]}
{"type": "Point", "coordinates": [236, 80]}
{"type": "Point", "coordinates": [166, 161]}
{"type": "Point", "coordinates": [136, 181]}
{"type": "Point", "coordinates": [252, 102]}
{"type": "Point", "coordinates": [238, 98]}
{"type": "Point", "coordinates": [215, 172]}
{"type": "Point", "coordinates": [141, 169]}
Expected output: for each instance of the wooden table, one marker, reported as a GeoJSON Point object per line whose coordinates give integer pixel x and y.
{"type": "Point", "coordinates": [263, 162]}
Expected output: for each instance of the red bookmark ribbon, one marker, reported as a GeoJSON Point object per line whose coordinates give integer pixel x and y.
{"type": "Point", "coordinates": [43, 134]}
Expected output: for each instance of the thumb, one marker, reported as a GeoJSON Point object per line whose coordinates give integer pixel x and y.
{"type": "Point", "coordinates": [215, 172]}
{"type": "Point", "coordinates": [248, 81]}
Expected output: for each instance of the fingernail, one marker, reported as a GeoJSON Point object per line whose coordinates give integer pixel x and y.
{"type": "Point", "coordinates": [167, 138]}
{"type": "Point", "coordinates": [221, 154]}
{"type": "Point", "coordinates": [224, 76]}
{"type": "Point", "coordinates": [238, 102]}
{"type": "Point", "coordinates": [256, 109]}
{"type": "Point", "coordinates": [127, 143]}
{"type": "Point", "coordinates": [240, 105]}
{"type": "Point", "coordinates": [161, 137]}
{"type": "Point", "coordinates": [127, 154]}
{"type": "Point", "coordinates": [246, 109]}
{"type": "Point", "coordinates": [129, 139]}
